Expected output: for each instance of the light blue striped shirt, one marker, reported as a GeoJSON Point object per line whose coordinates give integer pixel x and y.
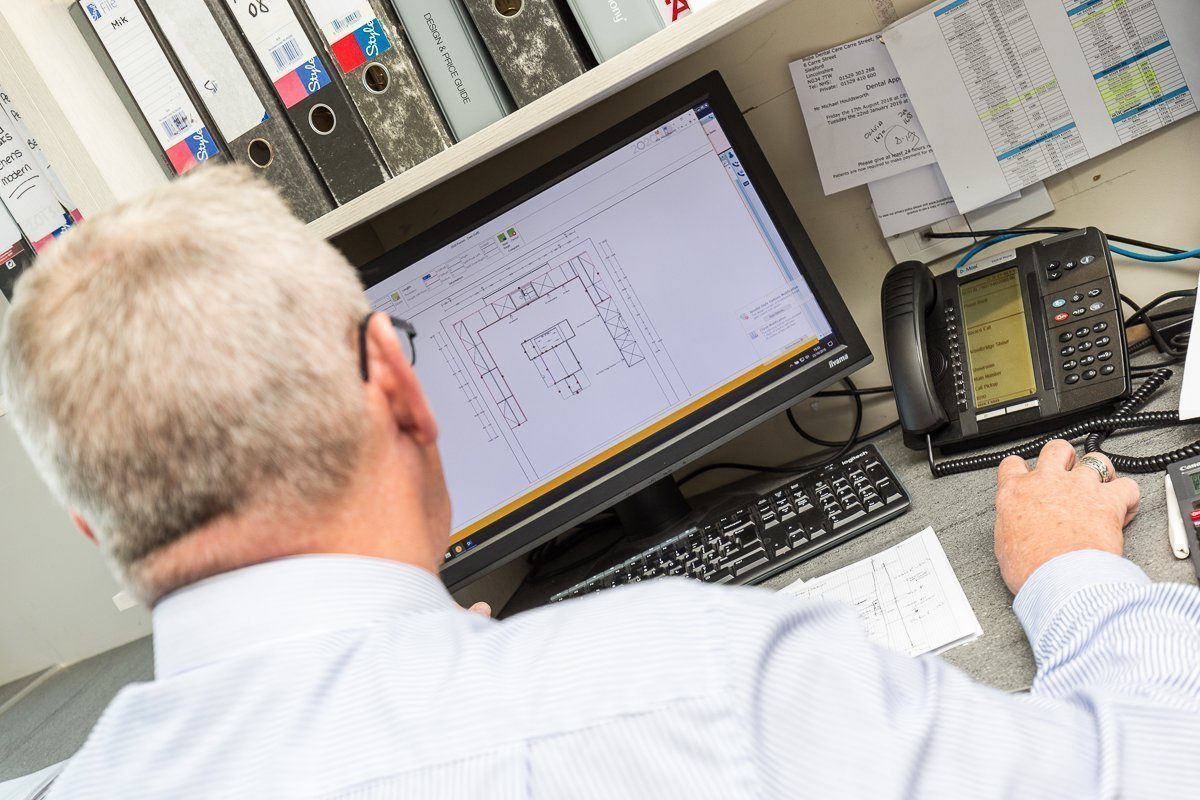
{"type": "Point", "coordinates": [347, 677]}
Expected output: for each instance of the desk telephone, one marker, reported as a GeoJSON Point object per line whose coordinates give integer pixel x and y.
{"type": "Point", "coordinates": [1017, 344]}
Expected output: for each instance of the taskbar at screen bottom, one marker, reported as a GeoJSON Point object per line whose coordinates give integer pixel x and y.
{"type": "Point", "coordinates": [463, 542]}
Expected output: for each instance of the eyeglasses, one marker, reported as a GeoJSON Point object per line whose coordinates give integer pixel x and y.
{"type": "Point", "coordinates": [404, 331]}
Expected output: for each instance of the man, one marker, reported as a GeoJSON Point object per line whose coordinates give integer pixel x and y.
{"type": "Point", "coordinates": [185, 372]}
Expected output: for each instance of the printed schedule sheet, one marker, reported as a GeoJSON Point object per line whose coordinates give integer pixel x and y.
{"type": "Point", "coordinates": [1012, 91]}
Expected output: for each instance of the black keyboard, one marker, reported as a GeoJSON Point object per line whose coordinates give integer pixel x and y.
{"type": "Point", "coordinates": [775, 531]}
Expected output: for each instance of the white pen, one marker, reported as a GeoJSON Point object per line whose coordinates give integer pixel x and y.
{"type": "Point", "coordinates": [1175, 530]}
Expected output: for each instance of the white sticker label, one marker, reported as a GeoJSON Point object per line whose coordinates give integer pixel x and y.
{"type": "Point", "coordinates": [210, 65]}
{"type": "Point", "coordinates": [155, 87]}
{"type": "Point", "coordinates": [975, 266]}
{"type": "Point", "coordinates": [275, 35]}
{"type": "Point", "coordinates": [337, 18]}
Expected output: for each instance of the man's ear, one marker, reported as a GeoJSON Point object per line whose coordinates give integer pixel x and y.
{"type": "Point", "coordinates": [389, 370]}
{"type": "Point", "coordinates": [83, 527]}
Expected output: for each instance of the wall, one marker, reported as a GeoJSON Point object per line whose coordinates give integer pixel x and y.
{"type": "Point", "coordinates": [54, 593]}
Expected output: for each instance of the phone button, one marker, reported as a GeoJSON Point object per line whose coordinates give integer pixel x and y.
{"type": "Point", "coordinates": [1070, 364]}
{"type": "Point", "coordinates": [1067, 351]}
{"type": "Point", "coordinates": [1089, 374]}
{"type": "Point", "coordinates": [1084, 331]}
{"type": "Point", "coordinates": [1085, 346]}
{"type": "Point", "coordinates": [1105, 356]}
{"type": "Point", "coordinates": [1108, 369]}
{"type": "Point", "coordinates": [1078, 312]}
{"type": "Point", "coordinates": [1076, 298]}
{"type": "Point", "coordinates": [1087, 361]}
{"type": "Point", "coordinates": [1054, 275]}
{"type": "Point", "coordinates": [1054, 265]}
{"type": "Point", "coordinates": [1102, 341]}
{"type": "Point", "coordinates": [1062, 316]}
{"type": "Point", "coordinates": [1060, 302]}
{"type": "Point", "coordinates": [1065, 336]}
{"type": "Point", "coordinates": [1084, 261]}
{"type": "Point", "coordinates": [1069, 265]}
{"type": "Point", "coordinates": [1073, 378]}
{"type": "Point", "coordinates": [1096, 306]}
{"type": "Point", "coordinates": [1100, 327]}
{"type": "Point", "coordinates": [1095, 292]}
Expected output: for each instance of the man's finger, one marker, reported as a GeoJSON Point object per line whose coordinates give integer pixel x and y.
{"type": "Point", "coordinates": [1057, 454]}
{"type": "Point", "coordinates": [1010, 467]}
{"type": "Point", "coordinates": [1130, 494]}
{"type": "Point", "coordinates": [482, 608]}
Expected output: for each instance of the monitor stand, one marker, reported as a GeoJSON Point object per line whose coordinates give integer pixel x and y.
{"type": "Point", "coordinates": [653, 512]}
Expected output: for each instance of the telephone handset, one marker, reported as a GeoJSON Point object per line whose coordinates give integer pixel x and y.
{"type": "Point", "coordinates": [1013, 345]}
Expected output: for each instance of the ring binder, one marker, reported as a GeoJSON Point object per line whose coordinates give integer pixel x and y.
{"type": "Point", "coordinates": [243, 108]}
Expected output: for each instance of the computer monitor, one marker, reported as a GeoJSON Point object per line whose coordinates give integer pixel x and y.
{"type": "Point", "coordinates": [588, 330]}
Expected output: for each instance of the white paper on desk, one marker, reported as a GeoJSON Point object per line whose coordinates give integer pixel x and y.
{"type": "Point", "coordinates": [1189, 396]}
{"type": "Point", "coordinates": [859, 119]}
{"type": "Point", "coordinates": [907, 597]}
{"type": "Point", "coordinates": [33, 786]}
{"type": "Point", "coordinates": [1013, 91]}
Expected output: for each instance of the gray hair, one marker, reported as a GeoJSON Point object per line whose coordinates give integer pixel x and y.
{"type": "Point", "coordinates": [183, 357]}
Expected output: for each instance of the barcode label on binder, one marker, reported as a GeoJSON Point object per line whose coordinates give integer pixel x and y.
{"type": "Point", "coordinates": [345, 22]}
{"type": "Point", "coordinates": [175, 123]}
{"type": "Point", "coordinates": [287, 54]}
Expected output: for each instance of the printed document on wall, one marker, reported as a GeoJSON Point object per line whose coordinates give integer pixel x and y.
{"type": "Point", "coordinates": [1012, 91]}
{"type": "Point", "coordinates": [859, 119]}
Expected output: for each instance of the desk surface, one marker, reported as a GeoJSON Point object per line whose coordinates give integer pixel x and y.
{"type": "Point", "coordinates": [961, 510]}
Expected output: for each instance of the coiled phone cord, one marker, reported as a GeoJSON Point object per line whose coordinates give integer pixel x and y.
{"type": "Point", "coordinates": [1096, 430]}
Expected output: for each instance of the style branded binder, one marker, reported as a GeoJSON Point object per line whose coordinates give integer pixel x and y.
{"type": "Point", "coordinates": [530, 43]}
{"type": "Point", "coordinates": [243, 108]}
{"type": "Point", "coordinates": [317, 104]}
{"type": "Point", "coordinates": [369, 51]}
{"type": "Point", "coordinates": [465, 81]}
{"type": "Point", "coordinates": [161, 97]}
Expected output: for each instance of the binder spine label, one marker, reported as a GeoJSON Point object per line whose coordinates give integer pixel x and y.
{"type": "Point", "coordinates": [281, 46]}
{"type": "Point", "coordinates": [210, 65]}
{"type": "Point", "coordinates": [353, 33]}
{"type": "Point", "coordinates": [33, 196]}
{"type": "Point", "coordinates": [155, 87]}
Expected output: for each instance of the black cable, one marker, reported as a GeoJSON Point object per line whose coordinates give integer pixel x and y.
{"type": "Point", "coordinates": [1123, 417]}
{"type": "Point", "coordinates": [852, 392]}
{"type": "Point", "coordinates": [1156, 335]}
{"type": "Point", "coordinates": [1000, 232]}
{"type": "Point", "coordinates": [858, 417]}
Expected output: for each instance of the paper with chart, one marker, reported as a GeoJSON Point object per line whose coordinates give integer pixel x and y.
{"type": "Point", "coordinates": [1012, 91]}
{"type": "Point", "coordinates": [858, 117]}
{"type": "Point", "coordinates": [907, 597]}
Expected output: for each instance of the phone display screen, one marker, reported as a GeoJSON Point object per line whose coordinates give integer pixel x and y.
{"type": "Point", "coordinates": [1001, 359]}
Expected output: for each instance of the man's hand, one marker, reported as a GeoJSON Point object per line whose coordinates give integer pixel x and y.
{"type": "Point", "coordinates": [1058, 507]}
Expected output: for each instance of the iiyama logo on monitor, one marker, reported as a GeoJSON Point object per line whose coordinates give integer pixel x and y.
{"type": "Point", "coordinates": [833, 362]}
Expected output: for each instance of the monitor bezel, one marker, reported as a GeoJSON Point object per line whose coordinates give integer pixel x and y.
{"type": "Point", "coordinates": [664, 452]}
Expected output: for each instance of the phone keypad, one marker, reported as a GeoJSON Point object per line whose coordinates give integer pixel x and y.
{"type": "Point", "coordinates": [952, 338]}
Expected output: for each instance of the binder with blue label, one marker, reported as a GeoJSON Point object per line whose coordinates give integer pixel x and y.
{"type": "Point", "coordinates": [367, 48]}
{"type": "Point", "coordinates": [244, 109]}
{"type": "Point", "coordinates": [161, 97]}
{"type": "Point", "coordinates": [316, 102]}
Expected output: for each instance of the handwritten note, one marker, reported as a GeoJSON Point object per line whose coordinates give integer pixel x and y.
{"type": "Point", "coordinates": [907, 597]}
{"type": "Point", "coordinates": [858, 116]}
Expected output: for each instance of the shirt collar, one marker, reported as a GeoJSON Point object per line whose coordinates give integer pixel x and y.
{"type": "Point", "coordinates": [294, 596]}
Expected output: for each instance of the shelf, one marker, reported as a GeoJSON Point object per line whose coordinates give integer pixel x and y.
{"type": "Point", "coordinates": [665, 47]}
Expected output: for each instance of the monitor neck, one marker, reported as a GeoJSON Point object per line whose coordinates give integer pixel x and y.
{"type": "Point", "coordinates": [653, 511]}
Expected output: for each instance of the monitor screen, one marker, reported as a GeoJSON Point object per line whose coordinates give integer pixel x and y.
{"type": "Point", "coordinates": [636, 295]}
